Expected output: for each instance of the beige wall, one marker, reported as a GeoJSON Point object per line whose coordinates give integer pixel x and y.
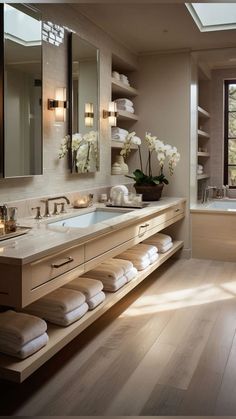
{"type": "Point", "coordinates": [164, 110]}
{"type": "Point", "coordinates": [56, 177]}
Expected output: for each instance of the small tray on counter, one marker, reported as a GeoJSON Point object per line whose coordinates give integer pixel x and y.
{"type": "Point", "coordinates": [142, 205]}
{"type": "Point", "coordinates": [19, 231]}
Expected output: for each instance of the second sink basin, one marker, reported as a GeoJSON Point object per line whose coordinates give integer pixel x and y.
{"type": "Point", "coordinates": [88, 219]}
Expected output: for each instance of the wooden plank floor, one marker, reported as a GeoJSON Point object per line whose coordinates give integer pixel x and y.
{"type": "Point", "coordinates": [168, 348]}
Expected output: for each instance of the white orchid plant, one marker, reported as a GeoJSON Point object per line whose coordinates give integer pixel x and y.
{"type": "Point", "coordinates": [83, 149]}
{"type": "Point", "coordinates": [164, 152]}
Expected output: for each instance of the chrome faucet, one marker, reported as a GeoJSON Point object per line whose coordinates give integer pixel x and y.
{"type": "Point", "coordinates": [205, 195]}
{"type": "Point", "coordinates": [46, 201]}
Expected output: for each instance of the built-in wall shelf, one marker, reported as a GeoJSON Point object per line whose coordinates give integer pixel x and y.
{"type": "Point", "coordinates": [18, 371]}
{"type": "Point", "coordinates": [126, 116]}
{"type": "Point", "coordinates": [202, 113]}
{"type": "Point", "coordinates": [202, 134]}
{"type": "Point", "coordinates": [203, 176]}
{"type": "Point", "coordinates": [203, 154]}
{"type": "Point", "coordinates": [119, 144]}
{"type": "Point", "coordinates": [119, 88]}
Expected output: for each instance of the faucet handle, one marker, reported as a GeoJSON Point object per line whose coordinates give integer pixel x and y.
{"type": "Point", "coordinates": [55, 211]}
{"type": "Point", "coordinates": [38, 215]}
{"type": "Point", "coordinates": [63, 211]}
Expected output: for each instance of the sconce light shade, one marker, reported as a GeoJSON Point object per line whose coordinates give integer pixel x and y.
{"type": "Point", "coordinates": [111, 114]}
{"type": "Point", "coordinates": [59, 104]}
{"type": "Point", "coordinates": [88, 114]}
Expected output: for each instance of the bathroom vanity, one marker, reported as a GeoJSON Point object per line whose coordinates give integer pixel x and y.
{"type": "Point", "coordinates": [52, 255]}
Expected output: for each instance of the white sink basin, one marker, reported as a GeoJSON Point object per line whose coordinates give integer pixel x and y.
{"type": "Point", "coordinates": [88, 219]}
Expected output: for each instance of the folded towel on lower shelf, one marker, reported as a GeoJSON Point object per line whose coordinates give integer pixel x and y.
{"type": "Point", "coordinates": [131, 274]}
{"type": "Point", "coordinates": [118, 137]}
{"type": "Point", "coordinates": [20, 328]}
{"type": "Point", "coordinates": [125, 265]}
{"type": "Point", "coordinates": [124, 101]}
{"type": "Point", "coordinates": [163, 249]}
{"type": "Point", "coordinates": [26, 350]}
{"type": "Point", "coordinates": [96, 300]}
{"type": "Point", "coordinates": [153, 258]}
{"type": "Point", "coordinates": [88, 286]}
{"type": "Point", "coordinates": [144, 249]}
{"type": "Point", "coordinates": [158, 239]}
{"type": "Point", "coordinates": [113, 286]}
{"type": "Point", "coordinates": [63, 319]}
{"type": "Point", "coordinates": [139, 262]}
{"type": "Point", "coordinates": [106, 271]}
{"type": "Point", "coordinates": [125, 108]}
{"type": "Point", "coordinates": [59, 301]}
{"type": "Point", "coordinates": [118, 130]}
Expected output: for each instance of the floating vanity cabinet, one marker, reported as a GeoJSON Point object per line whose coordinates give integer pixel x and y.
{"type": "Point", "coordinates": [24, 281]}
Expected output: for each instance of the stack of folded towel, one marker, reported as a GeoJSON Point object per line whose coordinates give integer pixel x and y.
{"type": "Point", "coordinates": [199, 169]}
{"type": "Point", "coordinates": [114, 273]}
{"type": "Point", "coordinates": [141, 255]}
{"type": "Point", "coordinates": [162, 241]}
{"type": "Point", "coordinates": [91, 288]}
{"type": "Point", "coordinates": [62, 306]}
{"type": "Point", "coordinates": [119, 134]}
{"type": "Point", "coordinates": [121, 77]}
{"type": "Point", "coordinates": [124, 104]}
{"type": "Point", "coordinates": [21, 335]}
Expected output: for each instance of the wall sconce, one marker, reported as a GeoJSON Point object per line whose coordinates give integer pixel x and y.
{"type": "Point", "coordinates": [111, 114]}
{"type": "Point", "coordinates": [88, 115]}
{"type": "Point", "coordinates": [59, 104]}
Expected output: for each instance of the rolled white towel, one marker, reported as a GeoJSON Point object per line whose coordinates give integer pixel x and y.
{"type": "Point", "coordinates": [124, 101]}
{"type": "Point", "coordinates": [116, 75]}
{"type": "Point", "coordinates": [125, 108]}
{"type": "Point", "coordinates": [158, 239]}
{"type": "Point", "coordinates": [27, 349]}
{"type": "Point", "coordinates": [20, 328]}
{"type": "Point", "coordinates": [113, 286]}
{"type": "Point", "coordinates": [118, 130]}
{"type": "Point", "coordinates": [165, 248]}
{"type": "Point", "coordinates": [131, 274]}
{"type": "Point", "coordinates": [96, 300]}
{"type": "Point", "coordinates": [63, 319]}
{"type": "Point", "coordinates": [60, 301]}
{"type": "Point", "coordinates": [120, 137]}
{"type": "Point", "coordinates": [88, 286]}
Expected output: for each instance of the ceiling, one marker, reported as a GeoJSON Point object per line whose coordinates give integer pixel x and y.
{"type": "Point", "coordinates": [154, 27]}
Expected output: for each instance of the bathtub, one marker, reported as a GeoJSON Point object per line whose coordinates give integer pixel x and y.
{"type": "Point", "coordinates": [214, 230]}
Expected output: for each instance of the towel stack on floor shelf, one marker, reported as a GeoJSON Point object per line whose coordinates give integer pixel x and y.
{"type": "Point", "coordinates": [113, 273]}
{"type": "Point", "coordinates": [141, 255]}
{"type": "Point", "coordinates": [91, 288]}
{"type": "Point", "coordinates": [124, 104]}
{"type": "Point", "coordinates": [62, 306]}
{"type": "Point", "coordinates": [163, 242]}
{"type": "Point", "coordinates": [21, 335]}
{"type": "Point", "coordinates": [119, 134]}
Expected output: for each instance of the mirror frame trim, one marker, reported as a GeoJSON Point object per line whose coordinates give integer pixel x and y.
{"type": "Point", "coordinates": [2, 61]}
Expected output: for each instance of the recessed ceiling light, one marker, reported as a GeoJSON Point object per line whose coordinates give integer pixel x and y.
{"type": "Point", "coordinates": [213, 16]}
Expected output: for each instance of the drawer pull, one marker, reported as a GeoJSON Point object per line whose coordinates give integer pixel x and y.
{"type": "Point", "coordinates": [177, 209]}
{"type": "Point", "coordinates": [61, 263]}
{"type": "Point", "coordinates": [143, 226]}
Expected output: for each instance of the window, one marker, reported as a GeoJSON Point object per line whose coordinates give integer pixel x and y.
{"type": "Point", "coordinates": [230, 134]}
{"type": "Point", "coordinates": [213, 16]}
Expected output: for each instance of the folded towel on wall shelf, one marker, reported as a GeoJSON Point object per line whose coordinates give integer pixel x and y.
{"type": "Point", "coordinates": [115, 285]}
{"type": "Point", "coordinates": [88, 286]}
{"type": "Point", "coordinates": [27, 349]}
{"type": "Point", "coordinates": [62, 319]}
{"type": "Point", "coordinates": [125, 108]}
{"type": "Point", "coordinates": [60, 301]}
{"type": "Point", "coordinates": [97, 299]}
{"type": "Point", "coordinates": [20, 328]}
{"type": "Point", "coordinates": [124, 101]}
{"type": "Point", "coordinates": [158, 239]}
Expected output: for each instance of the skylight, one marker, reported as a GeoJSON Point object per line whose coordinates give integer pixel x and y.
{"type": "Point", "coordinates": [213, 16]}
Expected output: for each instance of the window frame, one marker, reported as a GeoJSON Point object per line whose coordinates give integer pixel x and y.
{"type": "Point", "coordinates": [226, 130]}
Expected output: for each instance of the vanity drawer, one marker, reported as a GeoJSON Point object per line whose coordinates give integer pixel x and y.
{"type": "Point", "coordinates": [55, 265]}
{"type": "Point", "coordinates": [163, 219]}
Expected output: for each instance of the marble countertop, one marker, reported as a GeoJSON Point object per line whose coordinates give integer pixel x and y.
{"type": "Point", "coordinates": [44, 239]}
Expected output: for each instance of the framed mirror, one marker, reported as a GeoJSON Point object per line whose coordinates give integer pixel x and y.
{"type": "Point", "coordinates": [20, 91]}
{"type": "Point", "coordinates": [84, 106]}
